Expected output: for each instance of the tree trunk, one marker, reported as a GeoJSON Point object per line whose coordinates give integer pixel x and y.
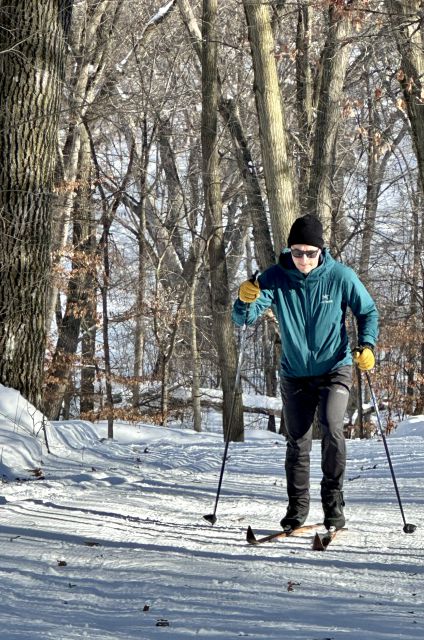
{"type": "Point", "coordinates": [197, 413]}
{"type": "Point", "coordinates": [89, 318]}
{"type": "Point", "coordinates": [139, 312]}
{"type": "Point", "coordinates": [304, 97]}
{"type": "Point", "coordinates": [406, 18]}
{"type": "Point", "coordinates": [221, 302]}
{"type": "Point", "coordinates": [81, 288]}
{"type": "Point", "coordinates": [270, 338]}
{"type": "Point", "coordinates": [88, 362]}
{"type": "Point", "coordinates": [229, 112]}
{"type": "Point", "coordinates": [104, 289]}
{"type": "Point", "coordinates": [164, 397]}
{"type": "Point", "coordinates": [32, 52]}
{"type": "Point", "coordinates": [175, 205]}
{"type": "Point", "coordinates": [255, 209]}
{"type": "Point", "coordinates": [139, 331]}
{"type": "Point", "coordinates": [415, 374]}
{"type": "Point", "coordinates": [278, 173]}
{"type": "Point", "coordinates": [334, 62]}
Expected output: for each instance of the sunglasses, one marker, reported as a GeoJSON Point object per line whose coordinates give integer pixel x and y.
{"type": "Point", "coordinates": [297, 253]}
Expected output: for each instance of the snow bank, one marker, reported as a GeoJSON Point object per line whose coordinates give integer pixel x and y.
{"type": "Point", "coordinates": [21, 446]}
{"type": "Point", "coordinates": [412, 427]}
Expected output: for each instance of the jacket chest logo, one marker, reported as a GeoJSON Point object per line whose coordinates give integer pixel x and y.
{"type": "Point", "coordinates": [326, 299]}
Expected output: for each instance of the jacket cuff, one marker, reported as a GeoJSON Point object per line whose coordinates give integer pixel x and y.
{"type": "Point", "coordinates": [366, 345]}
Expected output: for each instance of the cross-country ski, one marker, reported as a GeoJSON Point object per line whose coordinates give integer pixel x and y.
{"type": "Point", "coordinates": [251, 538]}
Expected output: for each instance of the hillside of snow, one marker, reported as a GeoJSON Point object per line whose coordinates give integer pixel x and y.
{"type": "Point", "coordinates": [106, 539]}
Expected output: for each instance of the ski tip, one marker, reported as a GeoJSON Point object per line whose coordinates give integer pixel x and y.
{"type": "Point", "coordinates": [250, 536]}
{"type": "Point", "coordinates": [317, 544]}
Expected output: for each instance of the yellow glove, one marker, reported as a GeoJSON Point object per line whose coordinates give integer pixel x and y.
{"type": "Point", "coordinates": [249, 291]}
{"type": "Point", "coordinates": [364, 358]}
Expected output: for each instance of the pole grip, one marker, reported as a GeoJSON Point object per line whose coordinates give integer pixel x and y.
{"type": "Point", "coordinates": [254, 277]}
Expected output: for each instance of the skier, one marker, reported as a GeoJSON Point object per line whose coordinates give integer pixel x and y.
{"type": "Point", "coordinates": [310, 292]}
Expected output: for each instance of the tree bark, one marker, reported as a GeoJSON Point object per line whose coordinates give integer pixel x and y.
{"type": "Point", "coordinates": [406, 19]}
{"type": "Point", "coordinates": [304, 97]}
{"type": "Point", "coordinates": [278, 173]}
{"type": "Point", "coordinates": [334, 62]}
{"type": "Point", "coordinates": [195, 388]}
{"type": "Point", "coordinates": [176, 210]}
{"type": "Point", "coordinates": [221, 302]}
{"type": "Point", "coordinates": [32, 54]}
{"type": "Point", "coordinates": [142, 163]}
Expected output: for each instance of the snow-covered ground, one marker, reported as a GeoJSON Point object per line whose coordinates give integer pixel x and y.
{"type": "Point", "coordinates": [106, 540]}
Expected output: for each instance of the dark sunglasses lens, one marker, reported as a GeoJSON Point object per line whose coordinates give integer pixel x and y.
{"type": "Point", "coordinates": [297, 253]}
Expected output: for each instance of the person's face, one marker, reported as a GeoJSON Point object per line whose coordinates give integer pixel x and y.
{"type": "Point", "coordinates": [305, 257]}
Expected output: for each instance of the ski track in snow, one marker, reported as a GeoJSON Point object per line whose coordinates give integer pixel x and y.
{"type": "Point", "coordinates": [126, 518]}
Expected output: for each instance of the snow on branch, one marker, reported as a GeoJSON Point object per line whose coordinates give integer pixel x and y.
{"type": "Point", "coordinates": [160, 15]}
{"type": "Point", "coordinates": [151, 24]}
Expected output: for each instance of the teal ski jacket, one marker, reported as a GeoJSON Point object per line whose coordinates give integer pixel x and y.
{"type": "Point", "coordinates": [311, 313]}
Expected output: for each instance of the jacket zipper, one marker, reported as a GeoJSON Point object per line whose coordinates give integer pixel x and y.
{"type": "Point", "coordinates": [308, 325]}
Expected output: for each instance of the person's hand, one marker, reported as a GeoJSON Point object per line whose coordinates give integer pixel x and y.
{"type": "Point", "coordinates": [249, 291]}
{"type": "Point", "coordinates": [364, 358]}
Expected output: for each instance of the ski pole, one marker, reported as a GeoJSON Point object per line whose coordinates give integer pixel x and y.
{"type": "Point", "coordinates": [407, 528]}
{"type": "Point", "coordinates": [211, 517]}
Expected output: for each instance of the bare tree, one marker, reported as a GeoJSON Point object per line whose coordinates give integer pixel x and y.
{"type": "Point", "coordinates": [221, 301]}
{"type": "Point", "coordinates": [278, 171]}
{"type": "Point", "coordinates": [90, 44]}
{"type": "Point", "coordinates": [334, 60]}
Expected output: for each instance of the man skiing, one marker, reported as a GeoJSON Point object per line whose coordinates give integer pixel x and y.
{"type": "Point", "coordinates": [310, 293]}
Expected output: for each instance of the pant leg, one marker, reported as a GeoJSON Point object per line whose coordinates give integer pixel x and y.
{"type": "Point", "coordinates": [300, 400]}
{"type": "Point", "coordinates": [333, 398]}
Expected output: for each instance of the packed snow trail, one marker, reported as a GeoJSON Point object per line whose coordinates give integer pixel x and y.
{"type": "Point", "coordinates": [107, 540]}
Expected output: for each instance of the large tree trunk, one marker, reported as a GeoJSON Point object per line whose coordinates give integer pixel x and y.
{"type": "Point", "coordinates": [406, 18]}
{"type": "Point", "coordinates": [32, 52]}
{"type": "Point", "coordinates": [221, 302]}
{"type": "Point", "coordinates": [142, 162]}
{"type": "Point", "coordinates": [89, 319]}
{"type": "Point", "coordinates": [334, 62]}
{"type": "Point", "coordinates": [304, 97]}
{"type": "Point", "coordinates": [88, 361]}
{"type": "Point", "coordinates": [278, 173]}
{"type": "Point", "coordinates": [197, 413]}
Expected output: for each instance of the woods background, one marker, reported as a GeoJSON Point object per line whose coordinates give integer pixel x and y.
{"type": "Point", "coordinates": [154, 155]}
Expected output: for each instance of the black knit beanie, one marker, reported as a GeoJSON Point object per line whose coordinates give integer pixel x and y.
{"type": "Point", "coordinates": [306, 230]}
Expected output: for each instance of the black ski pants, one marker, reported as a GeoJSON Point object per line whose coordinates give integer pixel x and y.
{"type": "Point", "coordinates": [301, 397]}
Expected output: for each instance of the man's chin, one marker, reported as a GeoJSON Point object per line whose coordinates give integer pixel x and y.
{"type": "Point", "coordinates": [305, 269]}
